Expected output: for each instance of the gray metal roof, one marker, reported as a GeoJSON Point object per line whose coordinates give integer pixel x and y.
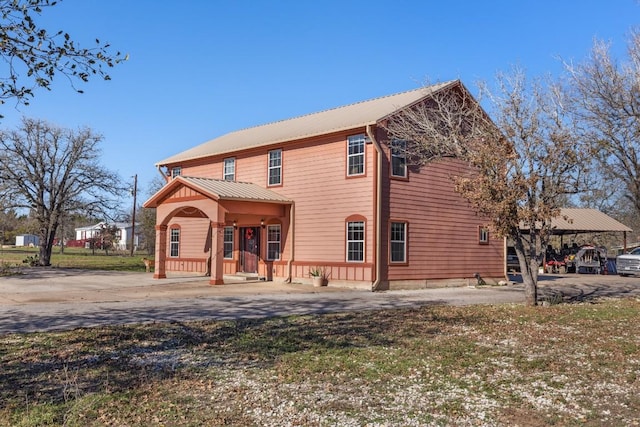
{"type": "Point", "coordinates": [233, 190]}
{"type": "Point", "coordinates": [585, 221]}
{"type": "Point", "coordinates": [328, 121]}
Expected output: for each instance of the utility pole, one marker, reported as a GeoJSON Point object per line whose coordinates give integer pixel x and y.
{"type": "Point", "coordinates": [133, 216]}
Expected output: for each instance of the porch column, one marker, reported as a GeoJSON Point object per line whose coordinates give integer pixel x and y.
{"type": "Point", "coordinates": [217, 249]}
{"type": "Point", "coordinates": [161, 252]}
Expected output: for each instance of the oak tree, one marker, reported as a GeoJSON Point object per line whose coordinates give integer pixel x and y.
{"type": "Point", "coordinates": [51, 172]}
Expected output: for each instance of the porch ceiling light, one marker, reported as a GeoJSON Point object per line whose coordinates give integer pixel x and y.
{"type": "Point", "coordinates": [262, 223]}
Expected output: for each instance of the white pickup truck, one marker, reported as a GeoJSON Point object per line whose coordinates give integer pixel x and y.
{"type": "Point", "coordinates": [628, 264]}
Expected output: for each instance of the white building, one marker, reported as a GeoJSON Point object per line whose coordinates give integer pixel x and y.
{"type": "Point", "coordinates": [123, 234]}
{"type": "Point", "coordinates": [27, 240]}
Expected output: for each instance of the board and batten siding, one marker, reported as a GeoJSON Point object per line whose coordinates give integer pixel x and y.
{"type": "Point", "coordinates": [192, 256]}
{"type": "Point", "coordinates": [314, 175]}
{"type": "Point", "coordinates": [442, 240]}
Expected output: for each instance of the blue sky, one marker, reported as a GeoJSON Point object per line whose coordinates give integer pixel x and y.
{"type": "Point", "coordinates": [202, 68]}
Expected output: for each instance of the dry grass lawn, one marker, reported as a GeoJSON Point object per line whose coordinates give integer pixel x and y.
{"type": "Point", "coordinates": [564, 365]}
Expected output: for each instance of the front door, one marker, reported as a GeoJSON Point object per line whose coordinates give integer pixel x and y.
{"type": "Point", "coordinates": [249, 249]}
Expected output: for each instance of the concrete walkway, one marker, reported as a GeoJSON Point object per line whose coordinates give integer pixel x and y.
{"type": "Point", "coordinates": [44, 299]}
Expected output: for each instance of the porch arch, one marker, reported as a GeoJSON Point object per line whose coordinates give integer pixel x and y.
{"type": "Point", "coordinates": [220, 203]}
{"type": "Point", "coordinates": [213, 217]}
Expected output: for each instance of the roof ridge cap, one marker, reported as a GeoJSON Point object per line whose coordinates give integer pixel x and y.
{"type": "Point", "coordinates": [342, 106]}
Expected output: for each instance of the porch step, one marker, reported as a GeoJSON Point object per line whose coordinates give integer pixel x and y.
{"type": "Point", "coordinates": [243, 277]}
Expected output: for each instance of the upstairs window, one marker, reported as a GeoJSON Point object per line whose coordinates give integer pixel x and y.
{"type": "Point", "coordinates": [399, 158]}
{"type": "Point", "coordinates": [229, 169]}
{"type": "Point", "coordinates": [228, 243]}
{"type": "Point", "coordinates": [355, 241]}
{"type": "Point", "coordinates": [174, 243]}
{"type": "Point", "coordinates": [355, 155]}
{"type": "Point", "coordinates": [273, 242]}
{"type": "Point", "coordinates": [275, 167]}
{"type": "Point", "coordinates": [177, 171]}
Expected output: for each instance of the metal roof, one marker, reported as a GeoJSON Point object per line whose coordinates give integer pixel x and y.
{"type": "Point", "coordinates": [585, 221]}
{"type": "Point", "coordinates": [233, 190]}
{"type": "Point", "coordinates": [324, 122]}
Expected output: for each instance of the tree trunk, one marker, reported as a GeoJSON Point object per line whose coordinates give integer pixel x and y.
{"type": "Point", "coordinates": [46, 246]}
{"type": "Point", "coordinates": [528, 270]}
{"type": "Point", "coordinates": [530, 282]}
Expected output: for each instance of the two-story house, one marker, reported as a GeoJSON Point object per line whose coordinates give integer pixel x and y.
{"type": "Point", "coordinates": [323, 189]}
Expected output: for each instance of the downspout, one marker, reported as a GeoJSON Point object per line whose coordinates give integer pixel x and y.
{"type": "Point", "coordinates": [292, 235]}
{"type": "Point", "coordinates": [164, 176]}
{"type": "Point", "coordinates": [376, 283]}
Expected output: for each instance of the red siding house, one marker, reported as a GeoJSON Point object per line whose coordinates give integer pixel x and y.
{"type": "Point", "coordinates": [321, 190]}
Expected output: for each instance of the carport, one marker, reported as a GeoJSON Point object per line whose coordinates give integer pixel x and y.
{"type": "Point", "coordinates": [574, 221]}
{"type": "Point", "coordinates": [589, 258]}
{"type": "Point", "coordinates": [580, 221]}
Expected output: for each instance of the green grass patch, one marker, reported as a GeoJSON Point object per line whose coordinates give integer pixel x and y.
{"type": "Point", "coordinates": [12, 258]}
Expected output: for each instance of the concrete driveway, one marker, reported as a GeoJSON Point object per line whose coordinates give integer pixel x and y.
{"type": "Point", "coordinates": [43, 299]}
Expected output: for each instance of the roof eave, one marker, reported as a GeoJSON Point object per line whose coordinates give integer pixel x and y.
{"type": "Point", "coordinates": [169, 161]}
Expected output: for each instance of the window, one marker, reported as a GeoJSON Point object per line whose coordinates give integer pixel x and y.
{"type": "Point", "coordinates": [273, 242]}
{"type": "Point", "coordinates": [483, 235]}
{"type": "Point", "coordinates": [229, 169]}
{"type": "Point", "coordinates": [228, 243]}
{"type": "Point", "coordinates": [398, 242]}
{"type": "Point", "coordinates": [355, 241]}
{"type": "Point", "coordinates": [355, 155]}
{"type": "Point", "coordinates": [275, 167]}
{"type": "Point", "coordinates": [177, 171]}
{"type": "Point", "coordinates": [174, 245]}
{"type": "Point", "coordinates": [399, 158]}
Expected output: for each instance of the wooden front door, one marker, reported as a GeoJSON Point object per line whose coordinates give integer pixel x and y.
{"type": "Point", "coordinates": [249, 249]}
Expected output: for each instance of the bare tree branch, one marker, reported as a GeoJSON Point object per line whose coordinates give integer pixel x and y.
{"type": "Point", "coordinates": [55, 172]}
{"type": "Point", "coordinates": [520, 166]}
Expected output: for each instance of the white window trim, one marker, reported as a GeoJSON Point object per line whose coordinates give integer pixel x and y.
{"type": "Point", "coordinates": [483, 235]}
{"type": "Point", "coordinates": [224, 242]}
{"type": "Point", "coordinates": [174, 243]}
{"type": "Point", "coordinates": [176, 171]}
{"type": "Point", "coordinates": [357, 138]}
{"type": "Point", "coordinates": [225, 172]}
{"type": "Point", "coordinates": [270, 168]}
{"type": "Point", "coordinates": [404, 243]}
{"type": "Point", "coordinates": [364, 231]}
{"type": "Point", "coordinates": [274, 242]}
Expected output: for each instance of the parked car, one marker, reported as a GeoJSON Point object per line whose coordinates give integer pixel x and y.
{"type": "Point", "coordinates": [629, 264]}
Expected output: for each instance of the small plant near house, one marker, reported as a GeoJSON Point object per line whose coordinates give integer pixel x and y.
{"type": "Point", "coordinates": [319, 272]}
{"type": "Point", "coordinates": [31, 261]}
{"type": "Point", "coordinates": [320, 275]}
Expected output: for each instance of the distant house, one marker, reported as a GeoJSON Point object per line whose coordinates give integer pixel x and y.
{"type": "Point", "coordinates": [326, 189]}
{"type": "Point", "coordinates": [27, 240]}
{"type": "Point", "coordinates": [84, 234]}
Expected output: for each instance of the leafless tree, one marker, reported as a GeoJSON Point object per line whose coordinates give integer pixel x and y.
{"type": "Point", "coordinates": [33, 55]}
{"type": "Point", "coordinates": [605, 97]}
{"type": "Point", "coordinates": [522, 163]}
{"type": "Point", "coordinates": [52, 171]}
{"type": "Point", "coordinates": [148, 216]}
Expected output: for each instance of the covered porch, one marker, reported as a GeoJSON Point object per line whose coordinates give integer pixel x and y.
{"type": "Point", "coordinates": [215, 228]}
